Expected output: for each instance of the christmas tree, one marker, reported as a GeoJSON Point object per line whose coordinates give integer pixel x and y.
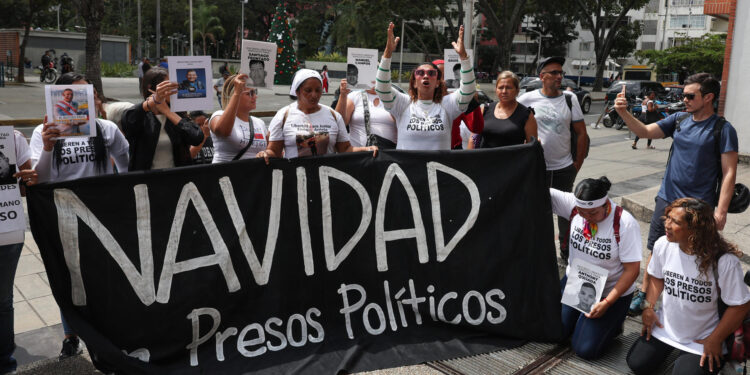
{"type": "Point", "coordinates": [286, 61]}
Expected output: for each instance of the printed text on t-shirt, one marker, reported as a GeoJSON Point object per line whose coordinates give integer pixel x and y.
{"type": "Point", "coordinates": [687, 288]}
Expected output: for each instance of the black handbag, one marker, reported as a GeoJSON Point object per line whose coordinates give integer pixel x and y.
{"type": "Point", "coordinates": [374, 140]}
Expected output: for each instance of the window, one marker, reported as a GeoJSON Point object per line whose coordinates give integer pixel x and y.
{"type": "Point", "coordinates": [649, 27]}
{"type": "Point", "coordinates": [685, 21]}
{"type": "Point", "coordinates": [648, 45]}
{"type": "Point", "coordinates": [586, 46]}
{"type": "Point", "coordinates": [652, 6]}
{"type": "Point", "coordinates": [686, 3]}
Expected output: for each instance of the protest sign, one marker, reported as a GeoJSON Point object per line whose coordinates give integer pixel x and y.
{"type": "Point", "coordinates": [72, 109]}
{"type": "Point", "coordinates": [452, 67]}
{"type": "Point", "coordinates": [258, 61]}
{"type": "Point", "coordinates": [11, 207]}
{"type": "Point", "coordinates": [193, 74]}
{"type": "Point", "coordinates": [316, 265]}
{"type": "Point", "coordinates": [585, 285]}
{"type": "Point", "coordinates": [361, 67]}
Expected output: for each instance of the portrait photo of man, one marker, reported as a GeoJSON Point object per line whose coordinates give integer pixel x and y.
{"type": "Point", "coordinates": [586, 297]}
{"type": "Point", "coordinates": [257, 73]}
{"type": "Point", "coordinates": [352, 75]}
{"type": "Point", "coordinates": [191, 82]}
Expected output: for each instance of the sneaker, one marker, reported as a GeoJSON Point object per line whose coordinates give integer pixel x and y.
{"type": "Point", "coordinates": [635, 305]}
{"type": "Point", "coordinates": [71, 346]}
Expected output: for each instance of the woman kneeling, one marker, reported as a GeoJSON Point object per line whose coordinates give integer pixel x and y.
{"type": "Point", "coordinates": [687, 264]}
{"type": "Point", "coordinates": [604, 235]}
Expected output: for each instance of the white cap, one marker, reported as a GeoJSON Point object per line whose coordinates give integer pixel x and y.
{"type": "Point", "coordinates": [301, 76]}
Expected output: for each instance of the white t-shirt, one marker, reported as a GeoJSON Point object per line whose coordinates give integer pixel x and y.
{"type": "Point", "coordinates": [690, 309]}
{"type": "Point", "coordinates": [308, 135]}
{"type": "Point", "coordinates": [22, 155]}
{"type": "Point", "coordinates": [226, 148]}
{"type": "Point", "coordinates": [602, 250]}
{"type": "Point", "coordinates": [381, 122]}
{"type": "Point", "coordinates": [553, 119]}
{"type": "Point", "coordinates": [78, 153]}
{"type": "Point", "coordinates": [424, 125]}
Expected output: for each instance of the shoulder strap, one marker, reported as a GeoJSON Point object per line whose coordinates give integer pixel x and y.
{"type": "Point", "coordinates": [573, 214]}
{"type": "Point", "coordinates": [616, 223]}
{"type": "Point", "coordinates": [569, 102]}
{"type": "Point", "coordinates": [677, 127]}
{"type": "Point", "coordinates": [333, 113]}
{"type": "Point", "coordinates": [250, 141]}
{"type": "Point", "coordinates": [283, 120]}
{"type": "Point", "coordinates": [366, 107]}
{"type": "Point", "coordinates": [718, 126]}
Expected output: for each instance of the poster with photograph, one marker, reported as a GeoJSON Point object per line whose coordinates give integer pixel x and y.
{"type": "Point", "coordinates": [453, 67]}
{"type": "Point", "coordinates": [585, 285]}
{"type": "Point", "coordinates": [11, 207]}
{"type": "Point", "coordinates": [258, 62]}
{"type": "Point", "coordinates": [72, 109]}
{"type": "Point", "coordinates": [361, 67]}
{"type": "Point", "coordinates": [193, 75]}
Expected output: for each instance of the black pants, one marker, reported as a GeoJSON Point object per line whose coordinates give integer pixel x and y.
{"type": "Point", "coordinates": [562, 179]}
{"type": "Point", "coordinates": [637, 138]}
{"type": "Point", "coordinates": [645, 357]}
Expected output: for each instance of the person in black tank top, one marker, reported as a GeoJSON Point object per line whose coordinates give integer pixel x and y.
{"type": "Point", "coordinates": [506, 122]}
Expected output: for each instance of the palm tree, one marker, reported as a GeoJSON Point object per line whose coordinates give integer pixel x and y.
{"type": "Point", "coordinates": [206, 24]}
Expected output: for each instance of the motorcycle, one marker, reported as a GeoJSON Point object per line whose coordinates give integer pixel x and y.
{"type": "Point", "coordinates": [612, 118]}
{"type": "Point", "coordinates": [67, 64]}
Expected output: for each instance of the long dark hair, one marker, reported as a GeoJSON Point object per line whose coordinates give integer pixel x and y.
{"type": "Point", "coordinates": [101, 155]}
{"type": "Point", "coordinates": [705, 241]}
{"type": "Point", "coordinates": [151, 78]}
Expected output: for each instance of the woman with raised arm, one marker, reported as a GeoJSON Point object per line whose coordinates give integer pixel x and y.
{"type": "Point", "coordinates": [305, 127]}
{"type": "Point", "coordinates": [692, 268]}
{"type": "Point", "coordinates": [235, 134]}
{"type": "Point", "coordinates": [424, 117]}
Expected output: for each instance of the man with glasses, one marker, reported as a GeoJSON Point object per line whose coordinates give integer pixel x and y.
{"type": "Point", "coordinates": [554, 115]}
{"type": "Point", "coordinates": [694, 165]}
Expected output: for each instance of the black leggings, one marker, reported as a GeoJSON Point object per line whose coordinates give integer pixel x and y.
{"type": "Point", "coordinates": [637, 138]}
{"type": "Point", "coordinates": [645, 357]}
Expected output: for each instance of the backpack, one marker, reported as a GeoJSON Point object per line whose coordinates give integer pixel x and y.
{"type": "Point", "coordinates": [615, 222]}
{"type": "Point", "coordinates": [738, 347]}
{"type": "Point", "coordinates": [573, 134]}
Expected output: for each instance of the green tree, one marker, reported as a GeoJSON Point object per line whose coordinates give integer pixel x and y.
{"type": "Point", "coordinates": [503, 18]}
{"type": "Point", "coordinates": [286, 61]}
{"type": "Point", "coordinates": [704, 54]}
{"type": "Point", "coordinates": [559, 29]}
{"type": "Point", "coordinates": [626, 40]}
{"type": "Point", "coordinates": [22, 14]}
{"type": "Point", "coordinates": [606, 19]}
{"type": "Point", "coordinates": [206, 24]}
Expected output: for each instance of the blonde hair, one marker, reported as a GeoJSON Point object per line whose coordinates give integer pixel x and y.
{"type": "Point", "coordinates": [508, 74]}
{"type": "Point", "coordinates": [227, 90]}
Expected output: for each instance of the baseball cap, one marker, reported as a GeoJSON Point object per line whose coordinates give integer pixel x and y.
{"type": "Point", "coordinates": [548, 60]}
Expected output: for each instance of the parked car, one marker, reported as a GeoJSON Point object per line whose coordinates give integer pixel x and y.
{"type": "Point", "coordinates": [674, 93]}
{"type": "Point", "coordinates": [636, 89]}
{"type": "Point", "coordinates": [484, 77]}
{"type": "Point", "coordinates": [584, 96]}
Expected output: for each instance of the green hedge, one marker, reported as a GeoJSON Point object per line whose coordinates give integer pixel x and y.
{"type": "Point", "coordinates": [117, 69]}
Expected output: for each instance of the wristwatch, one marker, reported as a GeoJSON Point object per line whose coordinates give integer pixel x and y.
{"type": "Point", "coordinates": [646, 305]}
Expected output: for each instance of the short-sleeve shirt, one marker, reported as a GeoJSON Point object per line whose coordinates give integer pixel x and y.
{"type": "Point", "coordinates": [695, 163]}
{"type": "Point", "coordinates": [308, 134]}
{"type": "Point", "coordinates": [381, 122]}
{"type": "Point", "coordinates": [690, 309]}
{"type": "Point", "coordinates": [78, 153]}
{"type": "Point", "coordinates": [553, 118]}
{"type": "Point", "coordinates": [424, 125]}
{"type": "Point", "coordinates": [602, 250]}
{"type": "Point", "coordinates": [504, 132]}
{"type": "Point", "coordinates": [226, 148]}
{"type": "Point", "coordinates": [22, 155]}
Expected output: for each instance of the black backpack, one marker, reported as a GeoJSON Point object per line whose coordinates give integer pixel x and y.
{"type": "Point", "coordinates": [573, 134]}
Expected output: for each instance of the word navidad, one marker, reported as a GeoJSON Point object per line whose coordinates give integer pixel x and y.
{"type": "Point", "coordinates": [257, 339]}
{"type": "Point", "coordinates": [71, 210]}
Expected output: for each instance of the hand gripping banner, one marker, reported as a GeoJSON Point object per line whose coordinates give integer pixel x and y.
{"type": "Point", "coordinates": [312, 265]}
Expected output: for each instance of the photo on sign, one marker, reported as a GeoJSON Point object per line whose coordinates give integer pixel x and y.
{"type": "Point", "coordinates": [585, 285]}
{"type": "Point", "coordinates": [193, 77]}
{"type": "Point", "coordinates": [72, 109]}
{"type": "Point", "coordinates": [7, 155]}
{"type": "Point", "coordinates": [361, 67]}
{"type": "Point", "coordinates": [452, 67]}
{"type": "Point", "coordinates": [192, 83]}
{"type": "Point", "coordinates": [258, 61]}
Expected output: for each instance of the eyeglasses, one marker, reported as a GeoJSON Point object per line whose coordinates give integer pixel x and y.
{"type": "Point", "coordinates": [252, 92]}
{"type": "Point", "coordinates": [688, 96]}
{"type": "Point", "coordinates": [555, 72]}
{"type": "Point", "coordinates": [429, 72]}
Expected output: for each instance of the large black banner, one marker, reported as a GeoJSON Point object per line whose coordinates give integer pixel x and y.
{"type": "Point", "coordinates": [313, 265]}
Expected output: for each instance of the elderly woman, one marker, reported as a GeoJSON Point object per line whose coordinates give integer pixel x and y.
{"type": "Point", "coordinates": [604, 235]}
{"type": "Point", "coordinates": [236, 134]}
{"type": "Point", "coordinates": [369, 123]}
{"type": "Point", "coordinates": [506, 121]}
{"type": "Point", "coordinates": [158, 137]}
{"type": "Point", "coordinates": [695, 267]}
{"type": "Point", "coordinates": [424, 118]}
{"type": "Point", "coordinates": [306, 127]}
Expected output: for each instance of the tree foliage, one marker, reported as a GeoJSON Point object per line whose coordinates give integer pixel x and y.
{"type": "Point", "coordinates": [704, 54]}
{"type": "Point", "coordinates": [206, 24]}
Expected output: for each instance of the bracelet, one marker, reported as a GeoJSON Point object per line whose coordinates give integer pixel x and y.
{"type": "Point", "coordinates": [155, 101]}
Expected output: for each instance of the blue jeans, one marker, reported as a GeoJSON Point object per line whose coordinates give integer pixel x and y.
{"type": "Point", "coordinates": [9, 255]}
{"type": "Point", "coordinates": [591, 337]}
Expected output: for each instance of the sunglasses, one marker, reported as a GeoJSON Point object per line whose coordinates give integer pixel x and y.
{"type": "Point", "coordinates": [555, 72]}
{"type": "Point", "coordinates": [429, 72]}
{"type": "Point", "coordinates": [688, 96]}
{"type": "Point", "coordinates": [252, 92]}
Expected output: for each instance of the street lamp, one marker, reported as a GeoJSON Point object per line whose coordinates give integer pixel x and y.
{"type": "Point", "coordinates": [242, 19]}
